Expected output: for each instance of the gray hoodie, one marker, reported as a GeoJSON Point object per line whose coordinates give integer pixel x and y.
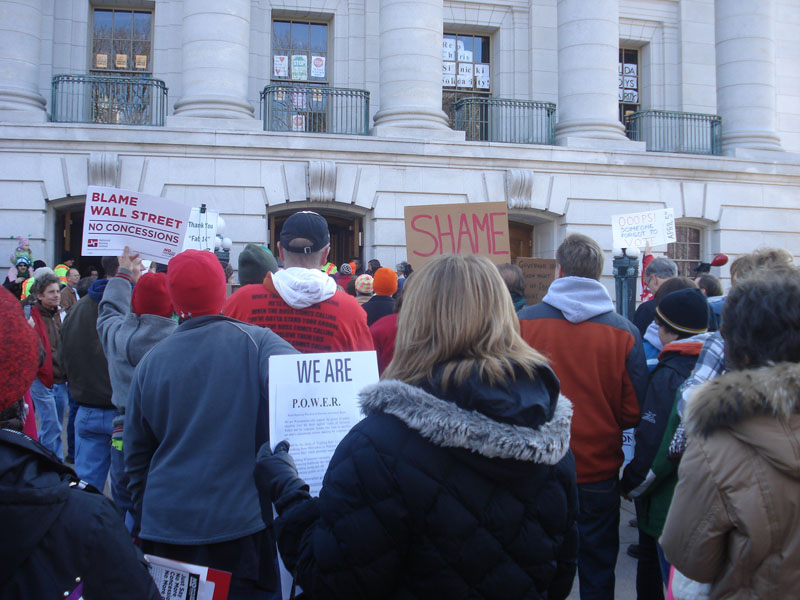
{"type": "Point", "coordinates": [126, 338]}
{"type": "Point", "coordinates": [579, 298]}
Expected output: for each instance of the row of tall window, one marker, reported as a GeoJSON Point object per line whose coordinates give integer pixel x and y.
{"type": "Point", "coordinates": [122, 45]}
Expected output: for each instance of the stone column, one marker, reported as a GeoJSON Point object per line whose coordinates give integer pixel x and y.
{"type": "Point", "coordinates": [20, 40]}
{"type": "Point", "coordinates": [411, 70]}
{"type": "Point", "coordinates": [588, 55]}
{"type": "Point", "coordinates": [746, 74]}
{"type": "Point", "coordinates": [216, 59]}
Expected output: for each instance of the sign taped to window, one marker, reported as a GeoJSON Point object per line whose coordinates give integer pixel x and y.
{"type": "Point", "coordinates": [121, 61]}
{"type": "Point", "coordinates": [482, 79]}
{"type": "Point", "coordinates": [280, 66]}
{"type": "Point", "coordinates": [299, 66]}
{"type": "Point", "coordinates": [448, 49]}
{"type": "Point", "coordinates": [318, 66]}
{"type": "Point", "coordinates": [101, 61]}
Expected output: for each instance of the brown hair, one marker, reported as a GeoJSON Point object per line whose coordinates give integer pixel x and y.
{"type": "Point", "coordinates": [673, 284]}
{"type": "Point", "coordinates": [458, 313]}
{"type": "Point", "coordinates": [580, 256]}
{"type": "Point", "coordinates": [762, 258]}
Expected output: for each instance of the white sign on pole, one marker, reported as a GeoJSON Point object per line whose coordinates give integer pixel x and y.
{"type": "Point", "coordinates": [151, 226]}
{"type": "Point", "coordinates": [313, 403]}
{"type": "Point", "coordinates": [635, 230]}
{"type": "Point", "coordinates": [201, 231]}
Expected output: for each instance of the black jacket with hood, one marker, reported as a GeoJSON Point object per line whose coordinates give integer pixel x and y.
{"type": "Point", "coordinates": [58, 536]}
{"type": "Point", "coordinates": [463, 493]}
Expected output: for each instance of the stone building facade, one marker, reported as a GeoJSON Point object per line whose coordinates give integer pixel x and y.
{"type": "Point", "coordinates": [266, 113]}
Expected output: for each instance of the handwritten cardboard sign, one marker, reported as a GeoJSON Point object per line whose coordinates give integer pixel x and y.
{"type": "Point", "coordinates": [471, 228]}
{"type": "Point", "coordinates": [152, 226]}
{"type": "Point", "coordinates": [539, 274]}
{"type": "Point", "coordinates": [634, 230]}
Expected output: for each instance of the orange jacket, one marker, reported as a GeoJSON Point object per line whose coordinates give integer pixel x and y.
{"type": "Point", "coordinates": [602, 369]}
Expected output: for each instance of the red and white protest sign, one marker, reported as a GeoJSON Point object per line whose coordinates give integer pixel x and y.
{"type": "Point", "coordinates": [152, 226]}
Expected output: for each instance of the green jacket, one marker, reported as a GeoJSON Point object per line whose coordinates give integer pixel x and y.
{"type": "Point", "coordinates": [656, 499]}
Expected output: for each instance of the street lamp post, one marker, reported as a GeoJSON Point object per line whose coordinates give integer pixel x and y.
{"type": "Point", "coordinates": [626, 274]}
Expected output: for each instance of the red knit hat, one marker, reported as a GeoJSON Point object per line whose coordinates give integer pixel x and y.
{"type": "Point", "coordinates": [150, 296]}
{"type": "Point", "coordinates": [19, 351]}
{"type": "Point", "coordinates": [384, 282]}
{"type": "Point", "coordinates": [196, 283]}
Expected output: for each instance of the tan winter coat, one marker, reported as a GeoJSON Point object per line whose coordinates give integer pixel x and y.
{"type": "Point", "coordinates": [735, 517]}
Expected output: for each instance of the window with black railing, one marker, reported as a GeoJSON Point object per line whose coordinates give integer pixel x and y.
{"type": "Point", "coordinates": [466, 73]}
{"type": "Point", "coordinates": [315, 109]}
{"type": "Point", "coordinates": [300, 71]}
{"type": "Point", "coordinates": [673, 131]}
{"type": "Point", "coordinates": [119, 88]}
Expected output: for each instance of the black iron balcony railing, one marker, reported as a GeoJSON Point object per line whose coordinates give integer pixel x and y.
{"type": "Point", "coordinates": [315, 109]}
{"type": "Point", "coordinates": [108, 99]}
{"type": "Point", "coordinates": [668, 131]}
{"type": "Point", "coordinates": [503, 120]}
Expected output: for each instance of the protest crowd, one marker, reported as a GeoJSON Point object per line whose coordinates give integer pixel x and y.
{"type": "Point", "coordinates": [489, 462]}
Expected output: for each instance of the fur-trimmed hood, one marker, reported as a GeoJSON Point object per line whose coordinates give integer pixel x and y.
{"type": "Point", "coordinates": [740, 400]}
{"type": "Point", "coordinates": [445, 424]}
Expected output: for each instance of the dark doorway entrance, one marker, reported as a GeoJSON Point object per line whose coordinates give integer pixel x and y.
{"type": "Point", "coordinates": [520, 238]}
{"type": "Point", "coordinates": [345, 236]}
{"type": "Point", "coordinates": [69, 236]}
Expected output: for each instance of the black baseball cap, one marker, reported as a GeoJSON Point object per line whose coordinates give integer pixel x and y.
{"type": "Point", "coordinates": [305, 225]}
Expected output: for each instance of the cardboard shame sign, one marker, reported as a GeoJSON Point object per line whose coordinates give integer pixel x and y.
{"type": "Point", "coordinates": [472, 228]}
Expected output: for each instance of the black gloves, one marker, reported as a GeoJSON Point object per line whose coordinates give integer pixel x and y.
{"type": "Point", "coordinates": [277, 480]}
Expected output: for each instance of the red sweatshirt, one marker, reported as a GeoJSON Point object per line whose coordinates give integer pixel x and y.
{"type": "Point", "coordinates": [337, 324]}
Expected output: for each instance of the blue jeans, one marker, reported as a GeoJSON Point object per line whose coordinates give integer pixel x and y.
{"type": "Point", "coordinates": [49, 404]}
{"type": "Point", "coordinates": [119, 483]}
{"type": "Point", "coordinates": [649, 580]}
{"type": "Point", "coordinates": [73, 408]}
{"type": "Point", "coordinates": [93, 427]}
{"type": "Point", "coordinates": [598, 526]}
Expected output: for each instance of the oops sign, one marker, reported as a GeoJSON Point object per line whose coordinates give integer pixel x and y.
{"type": "Point", "coordinates": [635, 230]}
{"type": "Point", "coordinates": [471, 228]}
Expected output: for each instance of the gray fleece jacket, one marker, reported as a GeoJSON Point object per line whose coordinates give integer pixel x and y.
{"type": "Point", "coordinates": [126, 338]}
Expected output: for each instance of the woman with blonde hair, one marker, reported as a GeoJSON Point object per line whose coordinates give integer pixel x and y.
{"type": "Point", "coordinates": [459, 482]}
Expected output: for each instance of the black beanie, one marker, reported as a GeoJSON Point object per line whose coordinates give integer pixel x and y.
{"type": "Point", "coordinates": [254, 263]}
{"type": "Point", "coordinates": [685, 311]}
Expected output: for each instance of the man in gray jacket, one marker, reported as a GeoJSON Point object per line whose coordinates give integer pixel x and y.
{"type": "Point", "coordinates": [127, 335]}
{"type": "Point", "coordinates": [197, 414]}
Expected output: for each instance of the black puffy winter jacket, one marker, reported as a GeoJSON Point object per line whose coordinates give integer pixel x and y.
{"type": "Point", "coordinates": [464, 494]}
{"type": "Point", "coordinates": [57, 537]}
